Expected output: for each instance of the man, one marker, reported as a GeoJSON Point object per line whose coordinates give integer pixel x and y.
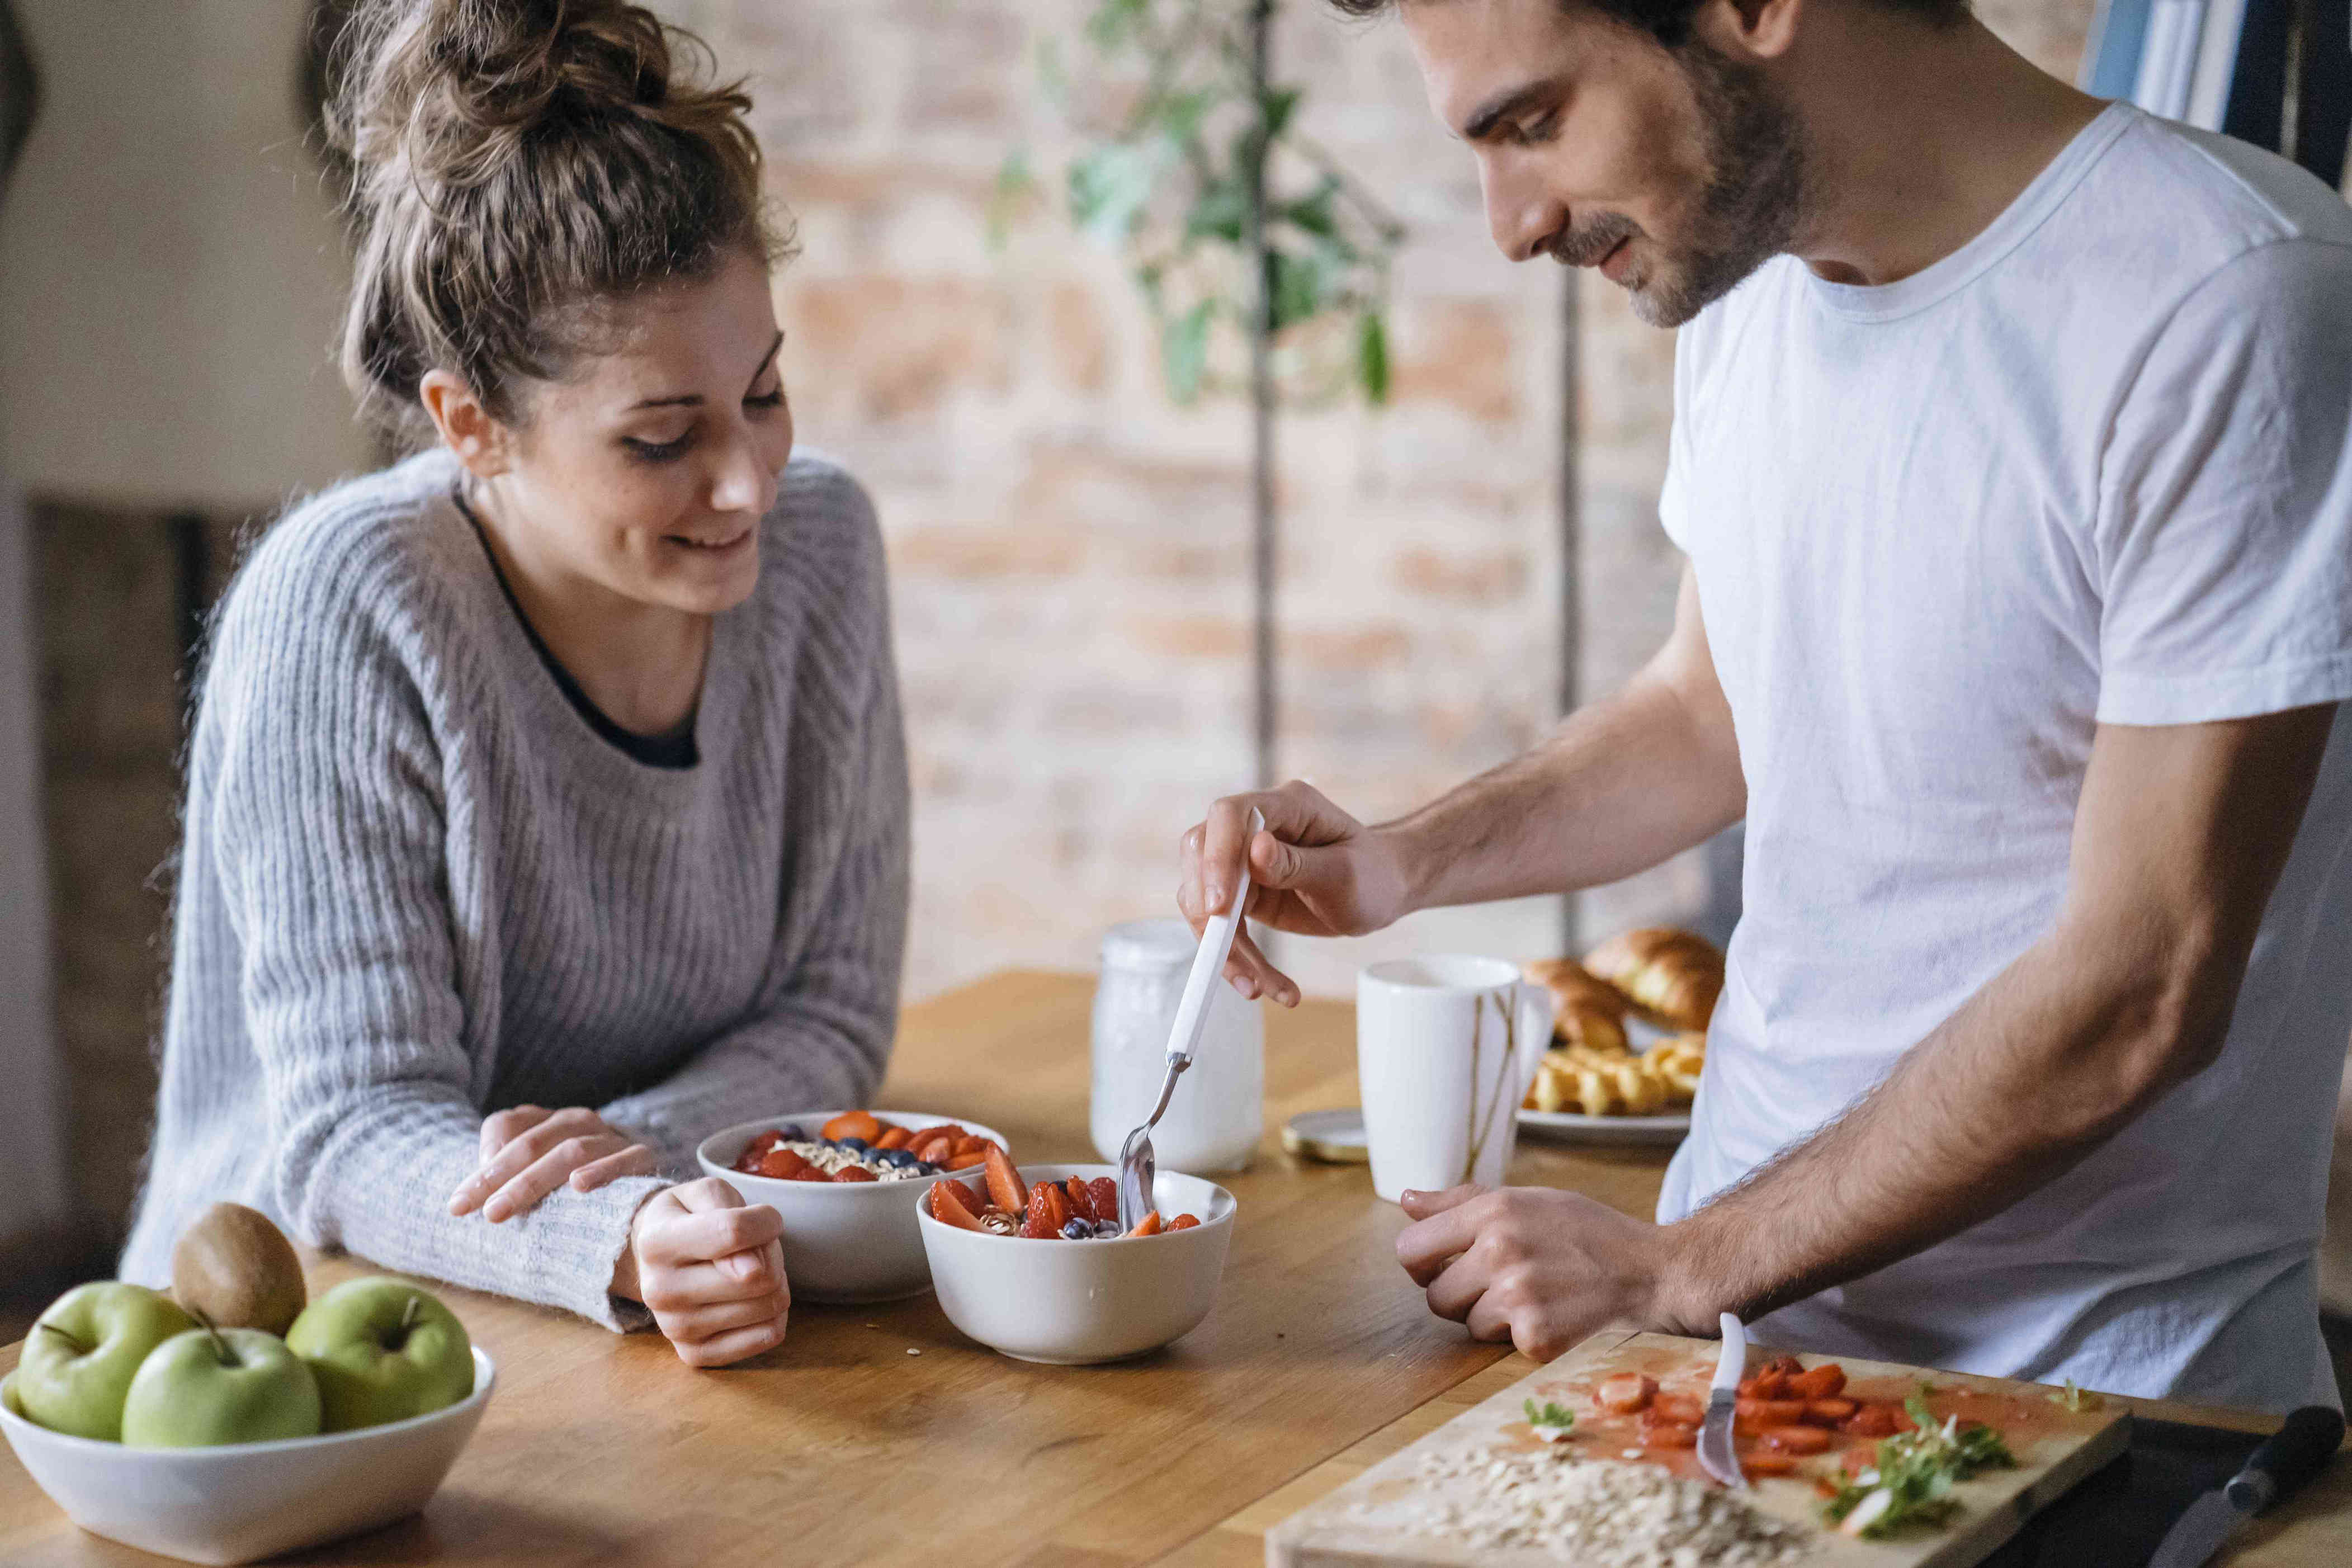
{"type": "Point", "coordinates": [2013, 456]}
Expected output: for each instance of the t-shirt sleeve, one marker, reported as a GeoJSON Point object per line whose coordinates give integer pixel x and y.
{"type": "Point", "coordinates": [2224, 544]}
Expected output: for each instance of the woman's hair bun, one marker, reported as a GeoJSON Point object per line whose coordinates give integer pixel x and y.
{"type": "Point", "coordinates": [448, 87]}
{"type": "Point", "coordinates": [512, 158]}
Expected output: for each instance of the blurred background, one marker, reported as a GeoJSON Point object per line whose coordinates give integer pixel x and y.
{"type": "Point", "coordinates": [1071, 547]}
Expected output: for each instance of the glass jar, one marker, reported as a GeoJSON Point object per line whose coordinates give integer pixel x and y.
{"type": "Point", "coordinates": [1218, 1112]}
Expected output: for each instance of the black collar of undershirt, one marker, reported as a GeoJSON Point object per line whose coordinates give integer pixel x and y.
{"type": "Point", "coordinates": [672, 749]}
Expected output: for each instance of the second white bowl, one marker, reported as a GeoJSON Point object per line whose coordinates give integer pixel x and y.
{"type": "Point", "coordinates": [843, 1241]}
{"type": "Point", "coordinates": [1071, 1303]}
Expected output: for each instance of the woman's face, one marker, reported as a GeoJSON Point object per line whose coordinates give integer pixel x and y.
{"type": "Point", "coordinates": [647, 470]}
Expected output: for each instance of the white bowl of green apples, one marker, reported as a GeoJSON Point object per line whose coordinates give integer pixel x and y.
{"type": "Point", "coordinates": [190, 1428]}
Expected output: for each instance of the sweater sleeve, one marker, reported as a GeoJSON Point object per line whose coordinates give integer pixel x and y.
{"type": "Point", "coordinates": [329, 816]}
{"type": "Point", "coordinates": [819, 1034]}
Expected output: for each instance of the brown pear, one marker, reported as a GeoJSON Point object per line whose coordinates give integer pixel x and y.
{"type": "Point", "coordinates": [236, 1268]}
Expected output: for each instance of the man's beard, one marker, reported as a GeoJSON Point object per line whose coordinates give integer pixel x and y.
{"type": "Point", "coordinates": [1745, 214]}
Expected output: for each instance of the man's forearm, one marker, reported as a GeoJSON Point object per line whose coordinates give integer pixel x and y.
{"type": "Point", "coordinates": [2180, 834]}
{"type": "Point", "coordinates": [1621, 785]}
{"type": "Point", "coordinates": [2048, 1061]}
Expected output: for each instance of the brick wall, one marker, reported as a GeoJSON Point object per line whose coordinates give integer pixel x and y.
{"type": "Point", "coordinates": [1070, 553]}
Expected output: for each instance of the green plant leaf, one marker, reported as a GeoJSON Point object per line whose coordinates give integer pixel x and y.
{"type": "Point", "coordinates": [1116, 21]}
{"type": "Point", "coordinates": [1275, 110]}
{"type": "Point", "coordinates": [1313, 212]}
{"type": "Point", "coordinates": [1015, 183]}
{"type": "Point", "coordinates": [1219, 212]}
{"type": "Point", "coordinates": [1184, 351]}
{"type": "Point", "coordinates": [1110, 187]}
{"type": "Point", "coordinates": [1372, 356]}
{"type": "Point", "coordinates": [1053, 76]}
{"type": "Point", "coordinates": [1179, 114]}
{"type": "Point", "coordinates": [1298, 287]}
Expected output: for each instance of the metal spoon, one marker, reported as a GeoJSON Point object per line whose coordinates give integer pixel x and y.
{"type": "Point", "coordinates": [1136, 1168]}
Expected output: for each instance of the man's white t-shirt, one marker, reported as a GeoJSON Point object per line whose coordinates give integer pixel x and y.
{"type": "Point", "coordinates": [2094, 468]}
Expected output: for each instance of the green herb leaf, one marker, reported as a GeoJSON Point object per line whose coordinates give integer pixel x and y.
{"type": "Point", "coordinates": [1915, 1472]}
{"type": "Point", "coordinates": [1548, 1414]}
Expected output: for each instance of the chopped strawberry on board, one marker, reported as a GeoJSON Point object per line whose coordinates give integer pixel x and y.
{"type": "Point", "coordinates": [1625, 1393]}
{"type": "Point", "coordinates": [1799, 1439]}
{"type": "Point", "coordinates": [1826, 1381]}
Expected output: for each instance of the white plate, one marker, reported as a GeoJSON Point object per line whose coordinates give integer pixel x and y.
{"type": "Point", "coordinates": [1571, 1127]}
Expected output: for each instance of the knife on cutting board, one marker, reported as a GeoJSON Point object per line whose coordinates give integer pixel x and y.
{"type": "Point", "coordinates": [1716, 1453]}
{"type": "Point", "coordinates": [2275, 1472]}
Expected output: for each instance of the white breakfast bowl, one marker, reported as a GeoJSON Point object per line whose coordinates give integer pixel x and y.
{"type": "Point", "coordinates": [1072, 1303]}
{"type": "Point", "coordinates": [843, 1241]}
{"type": "Point", "coordinates": [247, 1500]}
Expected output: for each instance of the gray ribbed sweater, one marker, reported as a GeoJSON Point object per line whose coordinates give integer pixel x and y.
{"type": "Point", "coordinates": [415, 887]}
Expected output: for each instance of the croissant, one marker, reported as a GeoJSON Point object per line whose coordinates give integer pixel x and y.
{"type": "Point", "coordinates": [1589, 1012]}
{"type": "Point", "coordinates": [1671, 977]}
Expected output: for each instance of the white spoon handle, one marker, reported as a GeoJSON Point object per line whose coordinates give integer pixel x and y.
{"type": "Point", "coordinates": [1209, 960]}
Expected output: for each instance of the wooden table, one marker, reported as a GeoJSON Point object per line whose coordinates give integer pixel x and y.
{"type": "Point", "coordinates": [846, 1445]}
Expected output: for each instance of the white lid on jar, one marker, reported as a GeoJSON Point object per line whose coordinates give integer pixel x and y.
{"type": "Point", "coordinates": [1153, 944]}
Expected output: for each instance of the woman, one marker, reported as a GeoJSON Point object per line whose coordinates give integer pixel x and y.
{"type": "Point", "coordinates": [516, 781]}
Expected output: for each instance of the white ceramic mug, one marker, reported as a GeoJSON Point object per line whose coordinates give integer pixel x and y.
{"type": "Point", "coordinates": [1445, 1048]}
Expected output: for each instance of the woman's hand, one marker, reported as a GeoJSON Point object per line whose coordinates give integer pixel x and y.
{"type": "Point", "coordinates": [527, 1152]}
{"type": "Point", "coordinates": [711, 1270]}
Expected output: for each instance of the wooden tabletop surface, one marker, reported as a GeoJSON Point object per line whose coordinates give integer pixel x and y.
{"type": "Point", "coordinates": [846, 1447]}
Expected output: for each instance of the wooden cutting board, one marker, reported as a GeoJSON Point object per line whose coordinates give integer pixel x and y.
{"type": "Point", "coordinates": [2054, 1446]}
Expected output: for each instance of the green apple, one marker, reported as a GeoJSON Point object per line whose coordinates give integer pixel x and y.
{"type": "Point", "coordinates": [210, 1386]}
{"type": "Point", "coordinates": [383, 1350]}
{"type": "Point", "coordinates": [84, 1351]}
